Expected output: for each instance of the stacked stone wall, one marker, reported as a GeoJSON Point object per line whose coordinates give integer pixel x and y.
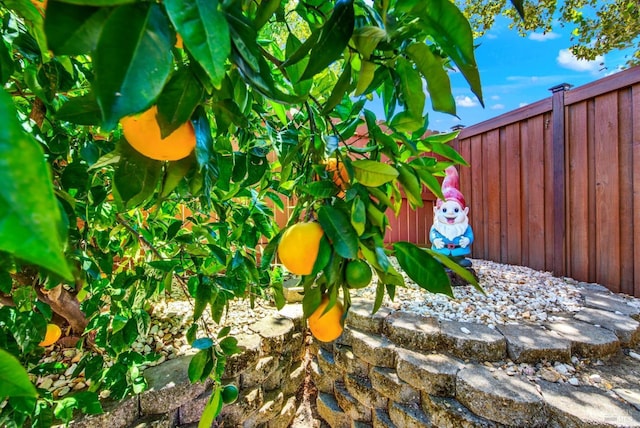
{"type": "Point", "coordinates": [269, 372]}
{"type": "Point", "coordinates": [397, 369]}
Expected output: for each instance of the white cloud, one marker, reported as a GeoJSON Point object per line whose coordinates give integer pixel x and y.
{"type": "Point", "coordinates": [466, 101]}
{"type": "Point", "coordinates": [523, 104]}
{"type": "Point", "coordinates": [543, 37]}
{"type": "Point", "coordinates": [495, 97]}
{"type": "Point", "coordinates": [568, 60]}
{"type": "Point", "coordinates": [497, 107]}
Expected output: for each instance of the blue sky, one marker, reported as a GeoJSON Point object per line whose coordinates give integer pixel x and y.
{"type": "Point", "coordinates": [516, 71]}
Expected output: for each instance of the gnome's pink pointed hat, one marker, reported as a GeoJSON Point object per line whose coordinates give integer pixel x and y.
{"type": "Point", "coordinates": [451, 188]}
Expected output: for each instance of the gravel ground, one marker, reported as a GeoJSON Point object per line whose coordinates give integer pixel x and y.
{"type": "Point", "coordinates": [512, 294]}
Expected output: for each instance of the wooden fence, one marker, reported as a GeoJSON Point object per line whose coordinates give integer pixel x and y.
{"type": "Point", "coordinates": [555, 185]}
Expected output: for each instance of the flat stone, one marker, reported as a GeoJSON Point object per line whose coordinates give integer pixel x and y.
{"type": "Point", "coordinates": [168, 387]}
{"type": "Point", "coordinates": [587, 340]}
{"type": "Point", "coordinates": [350, 405]}
{"type": "Point", "coordinates": [167, 420]}
{"type": "Point", "coordinates": [375, 350]}
{"type": "Point", "coordinates": [191, 411]}
{"type": "Point", "coordinates": [576, 407]}
{"type": "Point", "coordinates": [473, 341]}
{"type": "Point", "coordinates": [347, 362]}
{"type": "Point", "coordinates": [273, 402]}
{"type": "Point", "coordinates": [494, 395]}
{"type": "Point", "coordinates": [260, 372]}
{"type": "Point", "coordinates": [412, 331]}
{"type": "Point", "coordinates": [251, 345]}
{"type": "Point", "coordinates": [294, 313]}
{"type": "Point", "coordinates": [381, 419]}
{"type": "Point", "coordinates": [328, 365]}
{"type": "Point", "coordinates": [294, 379]}
{"type": "Point", "coordinates": [286, 415]}
{"type": "Point", "coordinates": [275, 331]}
{"type": "Point", "coordinates": [388, 383]}
{"type": "Point", "coordinates": [116, 414]}
{"type": "Point", "coordinates": [330, 411]}
{"type": "Point", "coordinates": [361, 389]}
{"type": "Point", "coordinates": [448, 412]}
{"type": "Point", "coordinates": [361, 318]}
{"type": "Point", "coordinates": [322, 383]}
{"type": "Point", "coordinates": [608, 301]}
{"type": "Point", "coordinates": [409, 416]}
{"type": "Point", "coordinates": [532, 344]}
{"type": "Point", "coordinates": [626, 328]}
{"type": "Point", "coordinates": [432, 373]}
{"type": "Point", "coordinates": [293, 294]}
{"type": "Point", "coordinates": [631, 396]}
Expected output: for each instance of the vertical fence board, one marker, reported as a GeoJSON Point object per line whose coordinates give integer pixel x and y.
{"type": "Point", "coordinates": [625, 109]}
{"type": "Point", "coordinates": [474, 187]}
{"type": "Point", "coordinates": [513, 195]}
{"type": "Point", "coordinates": [491, 168]}
{"type": "Point", "coordinates": [548, 195]}
{"type": "Point", "coordinates": [635, 179]}
{"type": "Point", "coordinates": [536, 201]}
{"type": "Point", "coordinates": [607, 191]}
{"type": "Point", "coordinates": [578, 192]}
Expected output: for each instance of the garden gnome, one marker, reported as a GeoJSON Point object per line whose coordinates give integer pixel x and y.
{"type": "Point", "coordinates": [451, 233]}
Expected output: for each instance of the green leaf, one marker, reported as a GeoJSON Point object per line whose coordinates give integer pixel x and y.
{"type": "Point", "coordinates": [29, 211]}
{"type": "Point", "coordinates": [519, 5]}
{"type": "Point", "coordinates": [320, 189]}
{"type": "Point", "coordinates": [337, 227]}
{"type": "Point", "coordinates": [338, 91]}
{"type": "Point", "coordinates": [6, 63]}
{"type": "Point", "coordinates": [411, 87]}
{"type": "Point", "coordinates": [373, 173]}
{"type": "Point", "coordinates": [448, 152]}
{"type": "Point", "coordinates": [461, 271]}
{"type": "Point", "coordinates": [212, 409]}
{"type": "Point", "coordinates": [132, 61]}
{"type": "Point", "coordinates": [99, 3]}
{"type": "Point", "coordinates": [452, 32]}
{"type": "Point", "coordinates": [202, 343]}
{"type": "Point", "coordinates": [264, 12]}
{"type": "Point", "coordinates": [178, 101]}
{"type": "Point", "coordinates": [174, 173]}
{"type": "Point", "coordinates": [205, 32]}
{"type": "Point", "coordinates": [14, 378]}
{"type": "Point", "coordinates": [410, 184]}
{"type": "Point", "coordinates": [135, 177]}
{"type": "Point", "coordinates": [423, 268]}
{"type": "Point", "coordinates": [365, 77]}
{"type": "Point", "coordinates": [334, 38]}
{"type": "Point", "coordinates": [438, 83]}
{"type": "Point", "coordinates": [367, 38]}
{"type": "Point", "coordinates": [358, 215]}
{"type": "Point", "coordinates": [82, 110]}
{"type": "Point", "coordinates": [73, 29]}
{"type": "Point", "coordinates": [196, 365]}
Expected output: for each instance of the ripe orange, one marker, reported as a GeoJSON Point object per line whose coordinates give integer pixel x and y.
{"type": "Point", "coordinates": [52, 335]}
{"type": "Point", "coordinates": [143, 133]}
{"type": "Point", "coordinates": [358, 274]}
{"type": "Point", "coordinates": [339, 174]}
{"type": "Point", "coordinates": [299, 246]}
{"type": "Point", "coordinates": [327, 327]}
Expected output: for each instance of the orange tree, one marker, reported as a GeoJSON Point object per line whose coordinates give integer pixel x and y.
{"type": "Point", "coordinates": [93, 226]}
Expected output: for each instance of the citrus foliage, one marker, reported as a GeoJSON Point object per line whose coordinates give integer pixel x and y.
{"type": "Point", "coordinates": [93, 230]}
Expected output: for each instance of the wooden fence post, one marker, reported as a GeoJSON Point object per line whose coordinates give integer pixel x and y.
{"type": "Point", "coordinates": [559, 181]}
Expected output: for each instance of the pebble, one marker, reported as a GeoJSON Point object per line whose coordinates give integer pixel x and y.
{"type": "Point", "coordinates": [63, 391]}
{"type": "Point", "coordinates": [550, 375]}
{"type": "Point", "coordinates": [573, 381]}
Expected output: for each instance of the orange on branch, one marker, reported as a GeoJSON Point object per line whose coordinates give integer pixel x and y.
{"type": "Point", "coordinates": [142, 131]}
{"type": "Point", "coordinates": [299, 246]}
{"type": "Point", "coordinates": [51, 336]}
{"type": "Point", "coordinates": [327, 327]}
{"type": "Point", "coordinates": [339, 173]}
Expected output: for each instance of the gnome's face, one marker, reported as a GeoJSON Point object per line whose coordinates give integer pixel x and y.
{"type": "Point", "coordinates": [451, 212]}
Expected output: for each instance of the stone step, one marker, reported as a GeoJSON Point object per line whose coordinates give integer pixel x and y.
{"type": "Point", "coordinates": [409, 416]}
{"type": "Point", "coordinates": [583, 406]}
{"type": "Point", "coordinates": [350, 405]}
{"type": "Point", "coordinates": [532, 344]}
{"type": "Point", "coordinates": [361, 318]}
{"type": "Point", "coordinates": [330, 411]}
{"type": "Point", "coordinates": [587, 340]}
{"type": "Point", "coordinates": [626, 328]}
{"type": "Point", "coordinates": [605, 300]}
{"type": "Point", "coordinates": [472, 341]}
{"type": "Point", "coordinates": [448, 412]}
{"type": "Point", "coordinates": [494, 395]}
{"type": "Point", "coordinates": [432, 373]}
{"type": "Point", "coordinates": [374, 349]}
{"type": "Point", "coordinates": [412, 331]}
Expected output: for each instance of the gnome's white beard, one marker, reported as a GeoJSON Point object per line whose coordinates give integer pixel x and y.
{"type": "Point", "coordinates": [451, 231]}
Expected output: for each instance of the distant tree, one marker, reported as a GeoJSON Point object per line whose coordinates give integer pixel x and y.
{"type": "Point", "coordinates": [598, 27]}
